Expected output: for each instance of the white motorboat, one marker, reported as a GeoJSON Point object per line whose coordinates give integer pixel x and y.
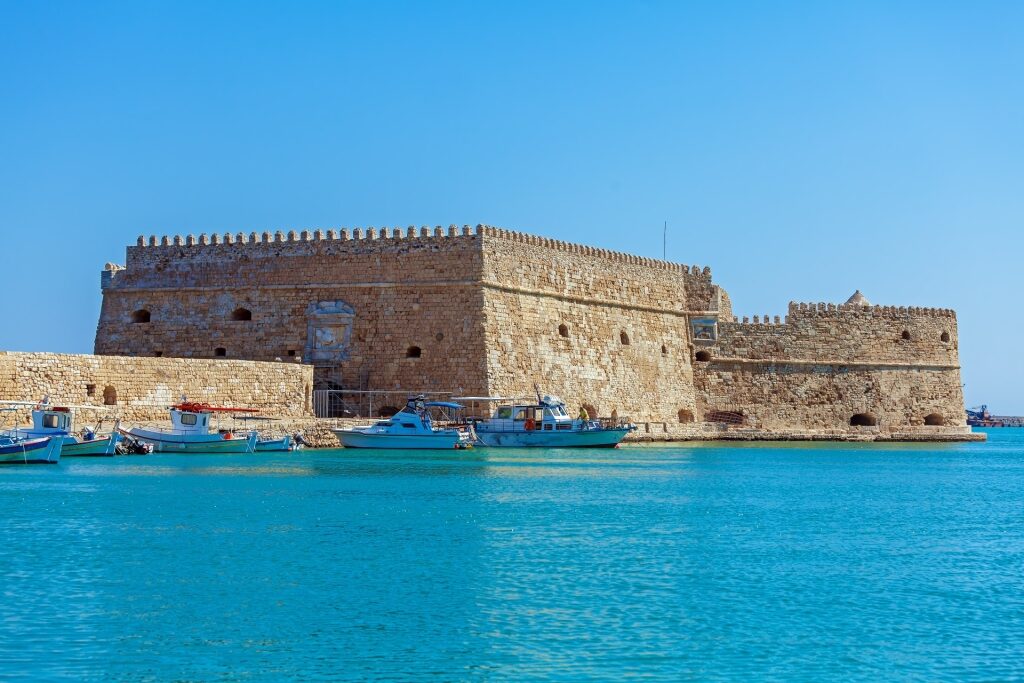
{"type": "Point", "coordinates": [518, 423]}
{"type": "Point", "coordinates": [192, 431]}
{"type": "Point", "coordinates": [409, 429]}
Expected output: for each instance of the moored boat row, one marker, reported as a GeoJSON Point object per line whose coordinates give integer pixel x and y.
{"type": "Point", "coordinates": [516, 423]}
{"type": "Point", "coordinates": [193, 430]}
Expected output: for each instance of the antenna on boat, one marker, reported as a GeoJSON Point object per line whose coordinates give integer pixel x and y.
{"type": "Point", "coordinates": [536, 390]}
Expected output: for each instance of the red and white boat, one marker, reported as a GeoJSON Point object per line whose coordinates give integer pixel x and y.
{"type": "Point", "coordinates": [192, 431]}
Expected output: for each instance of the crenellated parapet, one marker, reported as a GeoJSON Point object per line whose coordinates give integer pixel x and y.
{"type": "Point", "coordinates": [370, 235]}
{"type": "Point", "coordinates": [318, 235]}
{"type": "Point", "coordinates": [823, 309]}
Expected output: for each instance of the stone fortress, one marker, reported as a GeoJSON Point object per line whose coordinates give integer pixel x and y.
{"type": "Point", "coordinates": [487, 311]}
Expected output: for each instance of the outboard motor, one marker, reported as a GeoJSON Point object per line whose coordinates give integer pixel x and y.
{"type": "Point", "coordinates": [299, 441]}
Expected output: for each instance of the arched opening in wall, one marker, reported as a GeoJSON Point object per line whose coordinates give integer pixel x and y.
{"type": "Point", "coordinates": [387, 411]}
{"type": "Point", "coordinates": [158, 354]}
{"type": "Point", "coordinates": [413, 352]}
{"type": "Point", "coordinates": [220, 351]}
{"type": "Point", "coordinates": [863, 420]}
{"type": "Point", "coordinates": [109, 396]}
{"type": "Point", "coordinates": [241, 314]}
{"type": "Point", "coordinates": [624, 338]}
{"type": "Point", "coordinates": [944, 337]}
{"type": "Point", "coordinates": [563, 330]}
{"type": "Point", "coordinates": [934, 420]}
{"type": "Point", "coordinates": [731, 417]}
{"type": "Point", "coordinates": [140, 316]}
{"type": "Point", "coordinates": [702, 356]}
{"type": "Point", "coordinates": [591, 411]}
{"type": "Point", "coordinates": [664, 350]}
{"type": "Point", "coordinates": [905, 336]}
{"type": "Point", "coordinates": [685, 416]}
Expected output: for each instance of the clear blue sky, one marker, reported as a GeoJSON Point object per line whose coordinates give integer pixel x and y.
{"type": "Point", "coordinates": [801, 150]}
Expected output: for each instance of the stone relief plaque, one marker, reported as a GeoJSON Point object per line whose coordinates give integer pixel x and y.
{"type": "Point", "coordinates": [329, 331]}
{"type": "Point", "coordinates": [705, 329]}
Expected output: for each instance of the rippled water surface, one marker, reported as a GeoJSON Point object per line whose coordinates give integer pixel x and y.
{"type": "Point", "coordinates": [825, 562]}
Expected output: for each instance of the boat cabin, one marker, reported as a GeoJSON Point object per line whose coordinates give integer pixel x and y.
{"type": "Point", "coordinates": [190, 422]}
{"type": "Point", "coordinates": [547, 415]}
{"type": "Point", "coordinates": [415, 416]}
{"type": "Point", "coordinates": [56, 419]}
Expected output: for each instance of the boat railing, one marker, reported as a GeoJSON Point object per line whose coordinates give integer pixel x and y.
{"type": "Point", "coordinates": [370, 404]}
{"type": "Point", "coordinates": [520, 426]}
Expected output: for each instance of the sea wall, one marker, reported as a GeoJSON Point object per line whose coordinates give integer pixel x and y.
{"type": "Point", "coordinates": [141, 389]}
{"type": "Point", "coordinates": [826, 366]}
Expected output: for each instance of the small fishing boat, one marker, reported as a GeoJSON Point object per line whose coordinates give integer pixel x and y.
{"type": "Point", "coordinates": [58, 422]}
{"type": "Point", "coordinates": [18, 449]}
{"type": "Point", "coordinates": [192, 431]}
{"type": "Point", "coordinates": [519, 423]}
{"type": "Point", "coordinates": [409, 429]}
{"type": "Point", "coordinates": [280, 443]}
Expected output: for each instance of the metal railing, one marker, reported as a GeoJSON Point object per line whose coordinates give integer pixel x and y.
{"type": "Point", "coordinates": [366, 404]}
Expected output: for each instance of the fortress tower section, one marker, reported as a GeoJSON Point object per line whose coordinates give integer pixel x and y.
{"type": "Point", "coordinates": [604, 330]}
{"type": "Point", "coordinates": [387, 309]}
{"type": "Point", "coordinates": [834, 368]}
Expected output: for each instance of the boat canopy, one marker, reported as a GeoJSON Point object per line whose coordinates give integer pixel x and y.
{"type": "Point", "coordinates": [443, 404]}
{"type": "Point", "coordinates": [505, 399]}
{"type": "Point", "coordinates": [188, 407]}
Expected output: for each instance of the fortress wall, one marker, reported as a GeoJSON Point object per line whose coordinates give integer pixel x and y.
{"type": "Point", "coordinates": [332, 256]}
{"type": "Point", "coordinates": [444, 323]}
{"type": "Point", "coordinates": [826, 332]}
{"type": "Point", "coordinates": [597, 297]}
{"type": "Point", "coordinates": [827, 363]}
{"type": "Point", "coordinates": [537, 265]}
{"type": "Point", "coordinates": [142, 388]}
{"type": "Point", "coordinates": [403, 292]}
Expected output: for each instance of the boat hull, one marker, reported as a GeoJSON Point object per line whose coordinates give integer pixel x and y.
{"type": "Point", "coordinates": [275, 445]}
{"type": "Point", "coordinates": [437, 441]}
{"type": "Point", "coordinates": [590, 438]}
{"type": "Point", "coordinates": [164, 442]}
{"type": "Point", "coordinates": [103, 447]}
{"type": "Point", "coordinates": [31, 452]}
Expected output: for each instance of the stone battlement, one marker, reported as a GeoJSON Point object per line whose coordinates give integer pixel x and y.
{"type": "Point", "coordinates": [828, 309]}
{"type": "Point", "coordinates": [372, 234]}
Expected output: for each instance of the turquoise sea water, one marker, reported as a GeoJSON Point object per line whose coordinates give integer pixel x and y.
{"type": "Point", "coordinates": [766, 562]}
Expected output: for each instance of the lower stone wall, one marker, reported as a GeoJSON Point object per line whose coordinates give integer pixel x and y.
{"type": "Point", "coordinates": [822, 398]}
{"type": "Point", "coordinates": [141, 389]}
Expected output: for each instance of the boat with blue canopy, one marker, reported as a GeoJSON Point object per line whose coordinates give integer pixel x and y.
{"type": "Point", "coordinates": [412, 428]}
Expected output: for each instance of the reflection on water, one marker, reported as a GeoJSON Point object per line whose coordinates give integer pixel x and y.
{"type": "Point", "coordinates": [662, 562]}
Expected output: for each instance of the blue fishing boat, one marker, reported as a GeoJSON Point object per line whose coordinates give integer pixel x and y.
{"type": "Point", "coordinates": [45, 450]}
{"type": "Point", "coordinates": [544, 423]}
{"type": "Point", "coordinates": [18, 449]}
{"type": "Point", "coordinates": [58, 422]}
